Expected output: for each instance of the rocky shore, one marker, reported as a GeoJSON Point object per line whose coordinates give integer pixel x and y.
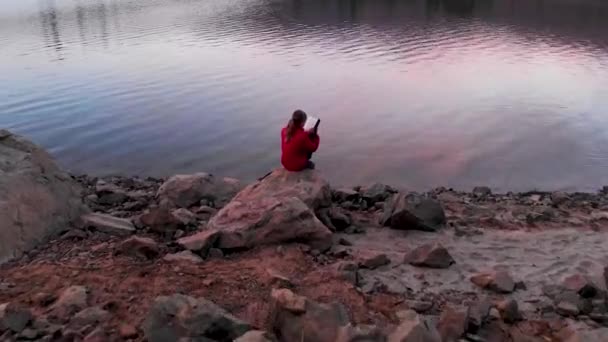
{"type": "Point", "coordinates": [289, 258]}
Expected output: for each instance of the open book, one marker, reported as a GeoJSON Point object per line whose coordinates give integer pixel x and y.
{"type": "Point", "coordinates": [312, 124]}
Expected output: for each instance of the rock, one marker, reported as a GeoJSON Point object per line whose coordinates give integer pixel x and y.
{"type": "Point", "coordinates": [345, 194]}
{"type": "Point", "coordinates": [215, 253]}
{"type": "Point", "coordinates": [430, 255]}
{"type": "Point", "coordinates": [509, 310]}
{"type": "Point", "coordinates": [200, 242]}
{"type": "Point", "coordinates": [478, 314]}
{"type": "Point", "coordinates": [453, 323]}
{"type": "Point", "coordinates": [73, 299]}
{"type": "Point", "coordinates": [376, 193]}
{"type": "Point", "coordinates": [375, 261]}
{"type": "Point", "coordinates": [254, 219]}
{"type": "Point", "coordinates": [14, 318]}
{"type": "Point", "coordinates": [75, 234]}
{"type": "Point", "coordinates": [173, 317]}
{"type": "Point", "coordinates": [113, 198]}
{"type": "Point", "coordinates": [581, 284]}
{"type": "Point", "coordinates": [187, 190]}
{"type": "Point", "coordinates": [287, 300]}
{"type": "Point", "coordinates": [43, 299]}
{"type": "Point", "coordinates": [97, 335]}
{"type": "Point", "coordinates": [414, 329]}
{"type": "Point", "coordinates": [29, 334]}
{"type": "Point", "coordinates": [344, 242]}
{"type": "Point", "coordinates": [140, 247]}
{"type": "Point", "coordinates": [482, 191]}
{"type": "Point", "coordinates": [90, 316]}
{"type": "Point", "coordinates": [279, 278]}
{"type": "Point", "coordinates": [339, 219]}
{"type": "Point", "coordinates": [161, 219]}
{"type": "Point", "coordinates": [350, 333]}
{"type": "Point", "coordinates": [108, 224]}
{"type": "Point", "coordinates": [413, 212]}
{"type": "Point", "coordinates": [566, 308]}
{"type": "Point", "coordinates": [184, 216]}
{"type": "Point", "coordinates": [255, 336]}
{"type": "Point", "coordinates": [320, 323]}
{"type": "Point", "coordinates": [558, 198]}
{"type": "Point", "coordinates": [128, 331]}
{"type": "Point", "coordinates": [38, 201]}
{"type": "Point", "coordinates": [183, 256]}
{"type": "Point", "coordinates": [498, 281]}
{"type": "Point", "coordinates": [349, 271]}
{"type": "Point", "coordinates": [420, 306]}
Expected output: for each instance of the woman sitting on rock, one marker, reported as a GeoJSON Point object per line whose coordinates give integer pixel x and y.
{"type": "Point", "coordinates": [297, 145]}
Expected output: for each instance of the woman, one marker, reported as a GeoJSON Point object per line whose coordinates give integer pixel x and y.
{"type": "Point", "coordinates": [298, 145]}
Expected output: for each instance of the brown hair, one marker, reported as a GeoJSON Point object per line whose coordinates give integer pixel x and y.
{"type": "Point", "coordinates": [298, 118]}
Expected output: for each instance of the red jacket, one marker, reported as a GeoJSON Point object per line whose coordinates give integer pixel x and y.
{"type": "Point", "coordinates": [296, 152]}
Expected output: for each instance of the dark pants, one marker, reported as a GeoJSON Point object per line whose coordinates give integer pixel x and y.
{"type": "Point", "coordinates": [310, 164]}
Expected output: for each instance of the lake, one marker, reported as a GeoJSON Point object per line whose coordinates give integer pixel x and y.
{"type": "Point", "coordinates": [512, 94]}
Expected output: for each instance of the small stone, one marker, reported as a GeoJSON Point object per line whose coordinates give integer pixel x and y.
{"type": "Point", "coordinates": [558, 198]}
{"type": "Point", "coordinates": [183, 256]}
{"type": "Point", "coordinates": [29, 334]}
{"type": "Point", "coordinates": [108, 224]}
{"type": "Point", "coordinates": [344, 242]}
{"type": "Point", "coordinates": [498, 281]}
{"type": "Point", "coordinates": [566, 308]}
{"type": "Point", "coordinates": [14, 318]}
{"type": "Point", "coordinates": [289, 301]}
{"type": "Point", "coordinates": [339, 219]}
{"type": "Point", "coordinates": [375, 261]}
{"type": "Point", "coordinates": [127, 331]}
{"type": "Point", "coordinates": [430, 255]}
{"type": "Point", "coordinates": [90, 316]}
{"type": "Point", "coordinates": [179, 234]}
{"type": "Point", "coordinates": [509, 310]}
{"type": "Point", "coordinates": [43, 299]}
{"type": "Point", "coordinates": [140, 247]}
{"type": "Point", "coordinates": [215, 253]}
{"type": "Point", "coordinates": [478, 314]}
{"type": "Point", "coordinates": [581, 285]}
{"type": "Point", "coordinates": [75, 234]}
{"type": "Point", "coordinates": [279, 278]}
{"type": "Point", "coordinates": [254, 336]}
{"type": "Point", "coordinates": [200, 242]}
{"type": "Point", "coordinates": [184, 216]}
{"type": "Point", "coordinates": [339, 251]}
{"type": "Point", "coordinates": [71, 300]}
{"type": "Point", "coordinates": [453, 323]}
{"type": "Point", "coordinates": [482, 191]}
{"type": "Point", "coordinates": [420, 306]}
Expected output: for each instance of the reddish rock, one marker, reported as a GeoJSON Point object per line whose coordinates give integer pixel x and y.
{"type": "Point", "coordinates": [187, 190]}
{"type": "Point", "coordinates": [453, 323]}
{"type": "Point", "coordinates": [509, 310]}
{"type": "Point", "coordinates": [374, 261]}
{"type": "Point", "coordinates": [200, 242]}
{"type": "Point", "coordinates": [413, 328]}
{"type": "Point", "coordinates": [430, 255]}
{"type": "Point", "coordinates": [413, 212]}
{"type": "Point", "coordinates": [160, 219]}
{"type": "Point", "coordinates": [287, 300]}
{"type": "Point", "coordinates": [128, 331]}
{"type": "Point", "coordinates": [498, 281]}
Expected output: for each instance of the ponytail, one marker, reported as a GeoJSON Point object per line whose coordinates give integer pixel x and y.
{"type": "Point", "coordinates": [297, 120]}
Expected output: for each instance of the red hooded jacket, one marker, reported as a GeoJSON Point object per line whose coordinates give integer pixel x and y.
{"type": "Point", "coordinates": [297, 150]}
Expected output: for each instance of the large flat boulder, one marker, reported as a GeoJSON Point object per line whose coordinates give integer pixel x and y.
{"type": "Point", "coordinates": [279, 208]}
{"type": "Point", "coordinates": [185, 191]}
{"type": "Point", "coordinates": [37, 199]}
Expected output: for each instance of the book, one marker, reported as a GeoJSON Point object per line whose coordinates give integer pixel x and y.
{"type": "Point", "coordinates": [312, 124]}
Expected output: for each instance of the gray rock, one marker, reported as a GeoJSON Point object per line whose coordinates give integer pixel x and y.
{"type": "Point", "coordinates": [255, 336]}
{"type": "Point", "coordinates": [376, 192]}
{"type": "Point", "coordinates": [46, 199]}
{"type": "Point", "coordinates": [344, 194]}
{"type": "Point", "coordinates": [140, 247]}
{"type": "Point", "coordinates": [581, 284]}
{"type": "Point", "coordinates": [161, 219]}
{"type": "Point", "coordinates": [108, 224]}
{"type": "Point", "coordinates": [184, 216]}
{"type": "Point", "coordinates": [183, 256]}
{"type": "Point", "coordinates": [558, 198]}
{"type": "Point", "coordinates": [413, 212]}
{"type": "Point", "coordinates": [320, 322]}
{"type": "Point", "coordinates": [339, 219]}
{"type": "Point", "coordinates": [350, 333]}
{"type": "Point", "coordinates": [478, 314]}
{"type": "Point", "coordinates": [116, 197]}
{"type": "Point", "coordinates": [430, 255]}
{"type": "Point", "coordinates": [509, 310]}
{"type": "Point", "coordinates": [14, 318]}
{"type": "Point", "coordinates": [187, 190]}
{"type": "Point", "coordinates": [413, 328]}
{"type": "Point", "coordinates": [173, 317]}
{"type": "Point", "coordinates": [349, 271]}
{"type": "Point", "coordinates": [90, 316]}
{"type": "Point", "coordinates": [215, 253]}
{"type": "Point", "coordinates": [482, 191]}
{"type": "Point", "coordinates": [420, 306]}
{"type": "Point", "coordinates": [375, 261]}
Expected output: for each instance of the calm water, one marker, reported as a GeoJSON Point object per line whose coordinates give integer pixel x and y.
{"type": "Point", "coordinates": [511, 94]}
